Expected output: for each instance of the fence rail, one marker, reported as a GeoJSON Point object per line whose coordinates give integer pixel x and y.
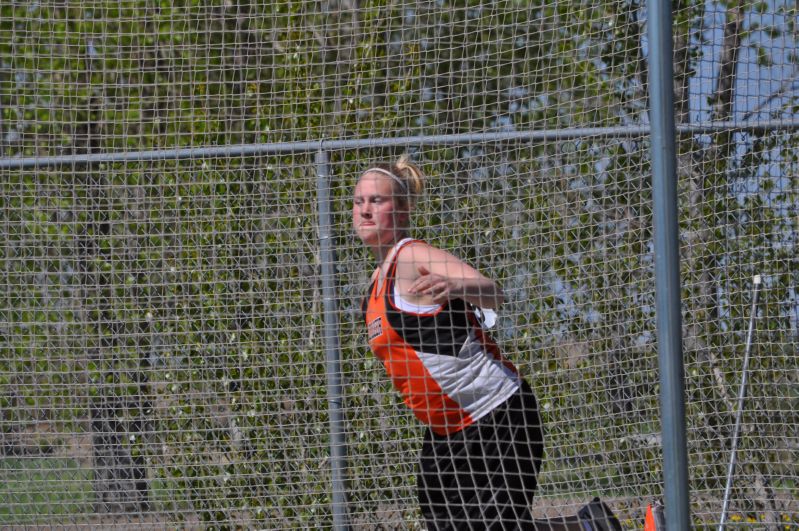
{"type": "Point", "coordinates": [269, 148]}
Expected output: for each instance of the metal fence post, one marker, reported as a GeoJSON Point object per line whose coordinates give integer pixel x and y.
{"type": "Point", "coordinates": [667, 265]}
{"type": "Point", "coordinates": [338, 450]}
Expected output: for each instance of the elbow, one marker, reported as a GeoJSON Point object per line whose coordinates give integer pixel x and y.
{"type": "Point", "coordinates": [499, 296]}
{"type": "Point", "coordinates": [500, 300]}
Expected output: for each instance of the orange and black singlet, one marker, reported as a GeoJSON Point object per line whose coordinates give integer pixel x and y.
{"type": "Point", "coordinates": [448, 370]}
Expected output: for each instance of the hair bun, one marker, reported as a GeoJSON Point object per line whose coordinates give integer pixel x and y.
{"type": "Point", "coordinates": [411, 174]}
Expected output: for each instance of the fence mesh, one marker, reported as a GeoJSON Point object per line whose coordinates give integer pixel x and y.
{"type": "Point", "coordinates": [162, 361]}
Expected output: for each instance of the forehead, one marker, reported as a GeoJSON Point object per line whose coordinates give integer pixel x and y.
{"type": "Point", "coordinates": [374, 183]}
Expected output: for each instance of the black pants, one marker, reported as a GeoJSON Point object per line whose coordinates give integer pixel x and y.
{"type": "Point", "coordinates": [484, 476]}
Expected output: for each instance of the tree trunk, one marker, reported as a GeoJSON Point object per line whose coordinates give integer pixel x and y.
{"type": "Point", "coordinates": [707, 172]}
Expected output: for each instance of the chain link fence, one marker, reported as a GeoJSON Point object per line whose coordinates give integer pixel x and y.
{"type": "Point", "coordinates": [163, 360]}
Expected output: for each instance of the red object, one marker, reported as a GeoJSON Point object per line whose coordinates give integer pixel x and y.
{"type": "Point", "coordinates": [654, 520]}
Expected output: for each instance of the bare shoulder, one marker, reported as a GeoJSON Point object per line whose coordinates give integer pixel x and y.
{"type": "Point", "coordinates": [424, 253]}
{"type": "Point", "coordinates": [433, 259]}
{"type": "Point", "coordinates": [408, 259]}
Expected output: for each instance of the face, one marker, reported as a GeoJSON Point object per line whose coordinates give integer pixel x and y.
{"type": "Point", "coordinates": [376, 216]}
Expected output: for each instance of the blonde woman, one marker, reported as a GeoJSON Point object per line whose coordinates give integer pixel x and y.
{"type": "Point", "coordinates": [483, 444]}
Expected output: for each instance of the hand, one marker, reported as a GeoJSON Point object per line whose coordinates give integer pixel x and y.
{"type": "Point", "coordinates": [439, 287]}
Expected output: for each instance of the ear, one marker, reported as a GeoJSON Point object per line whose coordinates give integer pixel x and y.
{"type": "Point", "coordinates": [403, 217]}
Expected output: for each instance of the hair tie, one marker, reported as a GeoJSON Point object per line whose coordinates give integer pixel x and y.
{"type": "Point", "coordinates": [399, 181]}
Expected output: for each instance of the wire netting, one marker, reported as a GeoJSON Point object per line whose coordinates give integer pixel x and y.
{"type": "Point", "coordinates": [163, 359]}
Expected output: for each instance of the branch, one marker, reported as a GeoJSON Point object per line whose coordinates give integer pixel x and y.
{"type": "Point", "coordinates": [785, 86]}
{"type": "Point", "coordinates": [724, 93]}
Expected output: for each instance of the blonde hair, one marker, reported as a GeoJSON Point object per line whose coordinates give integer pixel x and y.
{"type": "Point", "coordinates": [408, 178]}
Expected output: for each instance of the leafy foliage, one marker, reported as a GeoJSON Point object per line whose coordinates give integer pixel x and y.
{"type": "Point", "coordinates": [181, 299]}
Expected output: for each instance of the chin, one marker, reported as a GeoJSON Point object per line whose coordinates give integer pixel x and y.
{"type": "Point", "coordinates": [368, 236]}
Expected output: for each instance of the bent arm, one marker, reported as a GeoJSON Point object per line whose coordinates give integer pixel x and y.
{"type": "Point", "coordinates": [480, 291]}
{"type": "Point", "coordinates": [433, 275]}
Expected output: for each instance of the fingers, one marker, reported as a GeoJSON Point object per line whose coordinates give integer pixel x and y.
{"type": "Point", "coordinates": [432, 285]}
{"type": "Point", "coordinates": [422, 284]}
{"type": "Point", "coordinates": [441, 297]}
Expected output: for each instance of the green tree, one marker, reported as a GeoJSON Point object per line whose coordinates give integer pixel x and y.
{"type": "Point", "coordinates": [181, 299]}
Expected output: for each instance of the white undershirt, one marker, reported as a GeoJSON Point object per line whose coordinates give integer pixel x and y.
{"type": "Point", "coordinates": [410, 307]}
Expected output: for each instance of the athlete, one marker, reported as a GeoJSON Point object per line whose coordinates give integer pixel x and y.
{"type": "Point", "coordinates": [483, 445]}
